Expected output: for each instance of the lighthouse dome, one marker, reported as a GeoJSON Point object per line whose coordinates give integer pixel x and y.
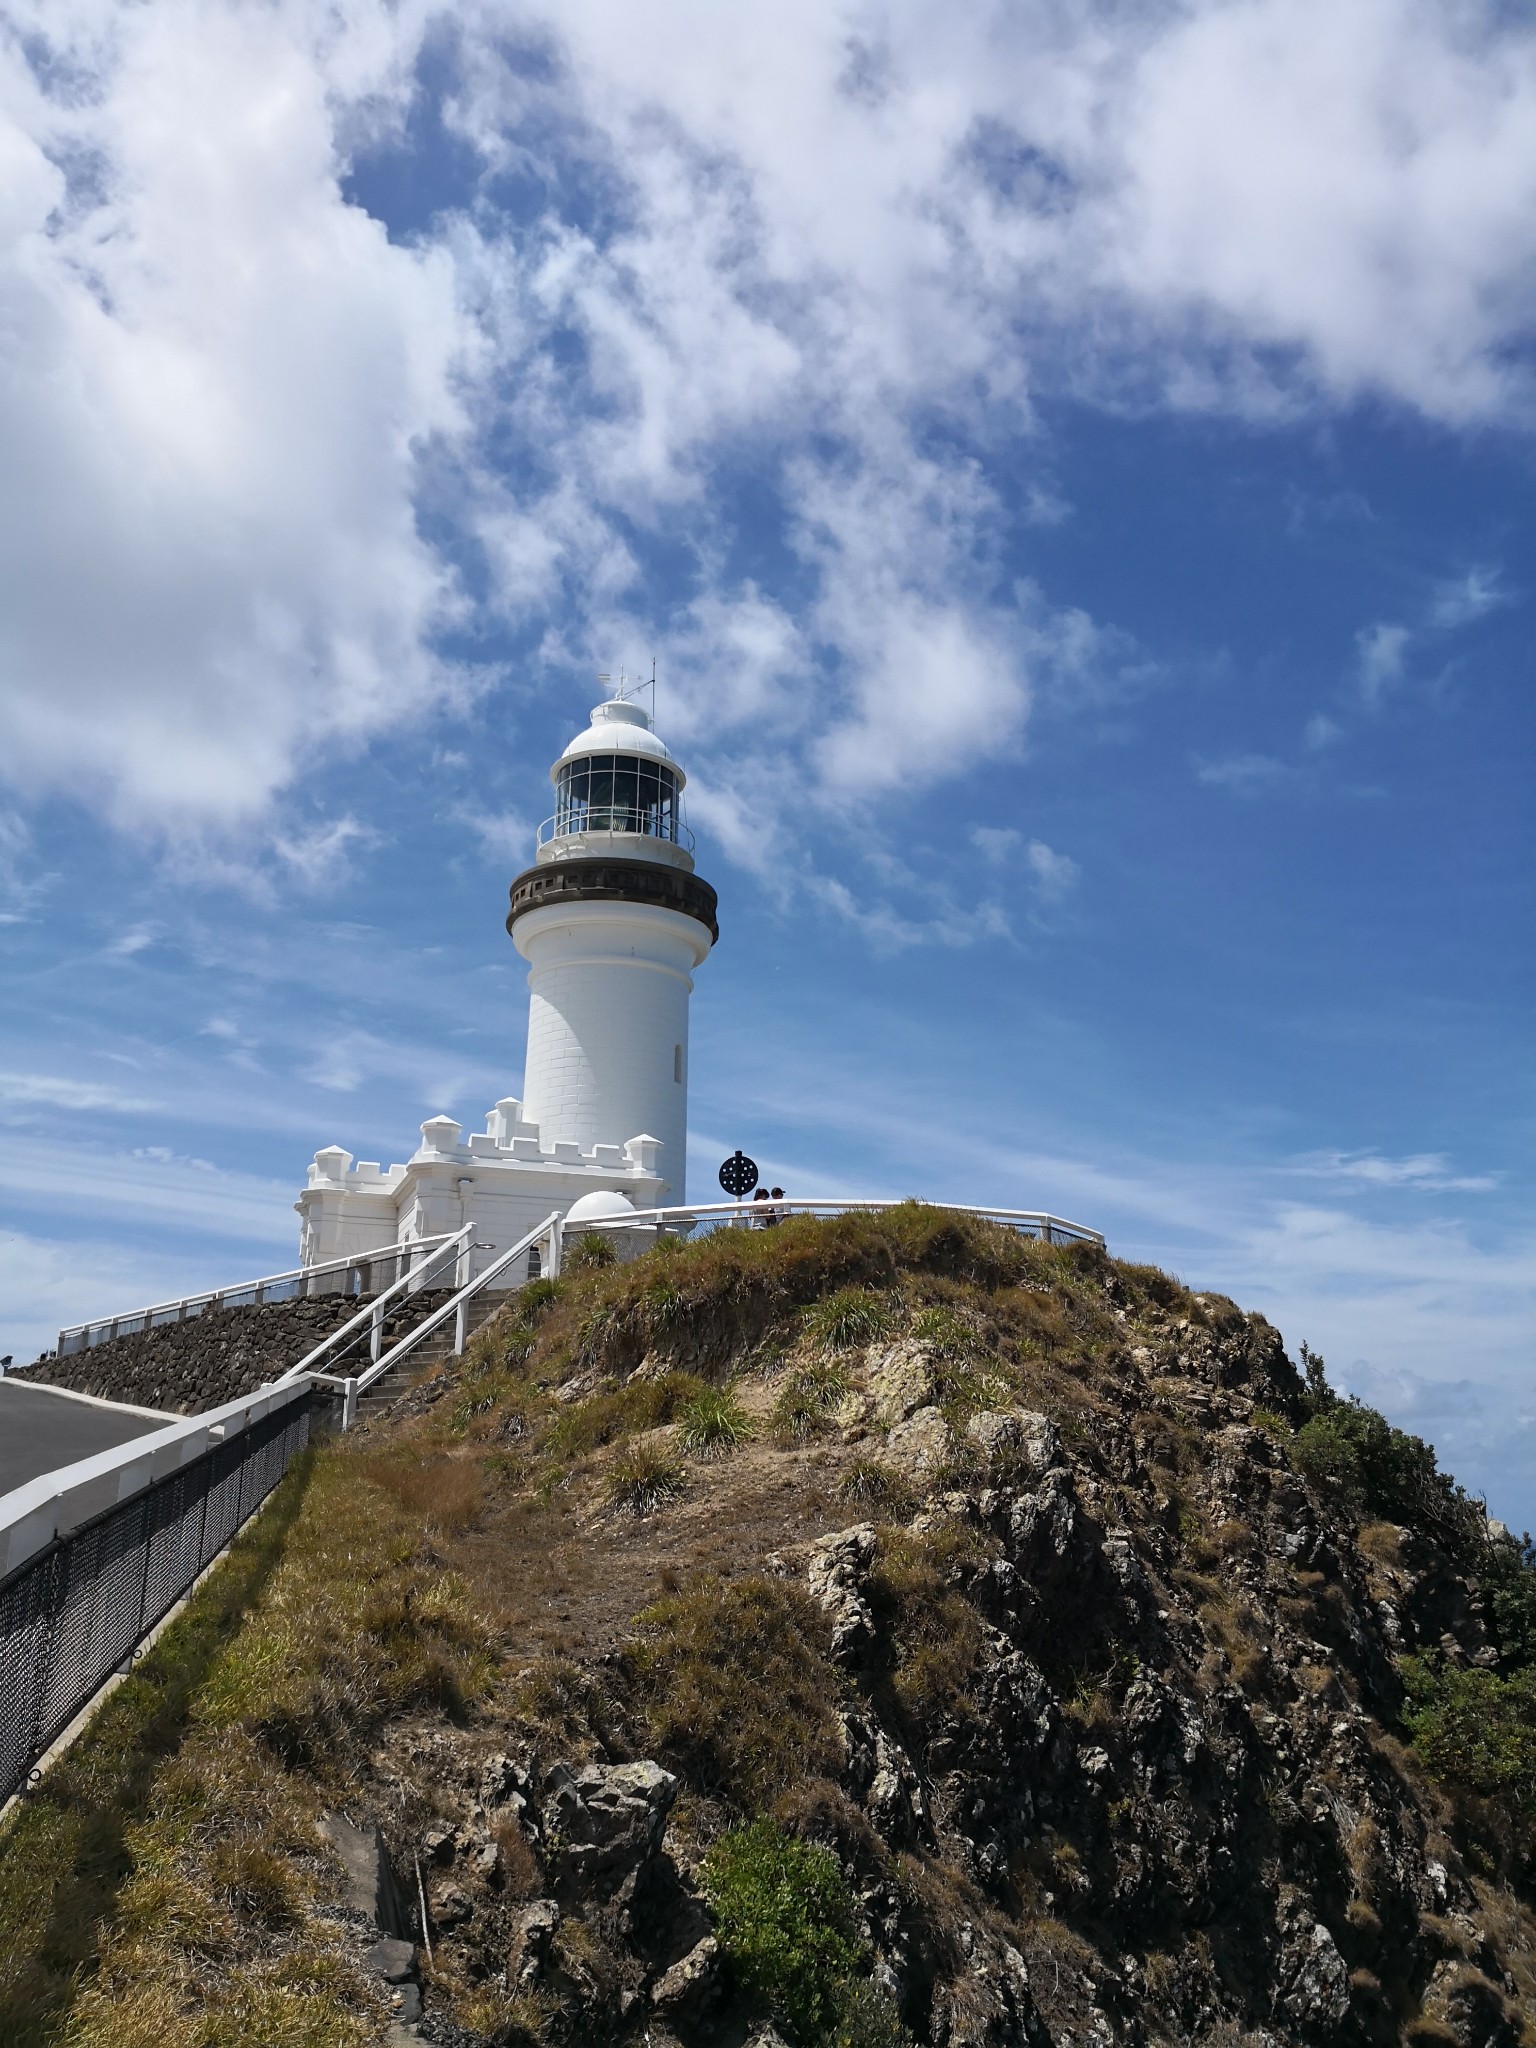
{"type": "Point", "coordinates": [618, 727]}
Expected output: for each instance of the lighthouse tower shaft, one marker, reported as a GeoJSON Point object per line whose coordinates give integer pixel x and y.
{"type": "Point", "coordinates": [612, 921]}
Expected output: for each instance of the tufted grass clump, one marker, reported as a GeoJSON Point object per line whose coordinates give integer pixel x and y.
{"type": "Point", "coordinates": [806, 1400]}
{"type": "Point", "coordinates": [712, 1424]}
{"type": "Point", "coordinates": [851, 1317]}
{"type": "Point", "coordinates": [870, 1483]}
{"type": "Point", "coordinates": [590, 1251]}
{"type": "Point", "coordinates": [948, 1335]}
{"type": "Point", "coordinates": [642, 1480]}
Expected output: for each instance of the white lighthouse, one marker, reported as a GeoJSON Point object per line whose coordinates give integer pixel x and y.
{"type": "Point", "coordinates": [612, 920]}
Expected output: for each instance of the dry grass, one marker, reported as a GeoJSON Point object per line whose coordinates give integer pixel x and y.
{"type": "Point", "coordinates": [1382, 1541]}
{"type": "Point", "coordinates": [934, 1629]}
{"type": "Point", "coordinates": [521, 1877]}
{"type": "Point", "coordinates": [154, 1891]}
{"type": "Point", "coordinates": [737, 1689]}
{"type": "Point", "coordinates": [445, 1492]}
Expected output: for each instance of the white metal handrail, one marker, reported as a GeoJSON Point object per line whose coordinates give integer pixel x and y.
{"type": "Point", "coordinates": [756, 1216]}
{"type": "Point", "coordinates": [82, 1336]}
{"type": "Point", "coordinates": [458, 1308]}
{"type": "Point", "coordinates": [374, 1311]}
{"type": "Point", "coordinates": [560, 827]}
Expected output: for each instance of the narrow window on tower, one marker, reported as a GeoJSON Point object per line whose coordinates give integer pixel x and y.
{"type": "Point", "coordinates": [677, 1063]}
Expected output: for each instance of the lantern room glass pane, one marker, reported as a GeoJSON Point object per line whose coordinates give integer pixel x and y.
{"type": "Point", "coordinates": [617, 793]}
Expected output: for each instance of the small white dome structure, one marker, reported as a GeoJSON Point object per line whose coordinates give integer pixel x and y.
{"type": "Point", "coordinates": [603, 1205]}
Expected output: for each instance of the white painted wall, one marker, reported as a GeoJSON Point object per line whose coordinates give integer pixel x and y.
{"type": "Point", "coordinates": [608, 1025]}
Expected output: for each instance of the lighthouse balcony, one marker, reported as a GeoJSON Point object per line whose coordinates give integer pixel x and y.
{"type": "Point", "coordinates": [626, 837]}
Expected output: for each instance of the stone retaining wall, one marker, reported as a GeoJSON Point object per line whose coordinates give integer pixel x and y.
{"type": "Point", "coordinates": [217, 1356]}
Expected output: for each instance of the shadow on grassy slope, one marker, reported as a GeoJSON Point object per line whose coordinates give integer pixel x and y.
{"type": "Point", "coordinates": [63, 1853]}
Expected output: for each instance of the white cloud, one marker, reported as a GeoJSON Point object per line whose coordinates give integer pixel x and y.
{"type": "Point", "coordinates": [839, 248]}
{"type": "Point", "coordinates": [55, 1092]}
{"type": "Point", "coordinates": [217, 381]}
{"type": "Point", "coordinates": [1465, 599]}
{"type": "Point", "coordinates": [503, 835]}
{"type": "Point", "coordinates": [1055, 874]}
{"type": "Point", "coordinates": [316, 858]}
{"type": "Point", "coordinates": [1427, 1170]}
{"type": "Point", "coordinates": [996, 843]}
{"type": "Point", "coordinates": [1380, 651]}
{"type": "Point", "coordinates": [1242, 773]}
{"type": "Point", "coordinates": [150, 1188]}
{"type": "Point", "coordinates": [1322, 732]}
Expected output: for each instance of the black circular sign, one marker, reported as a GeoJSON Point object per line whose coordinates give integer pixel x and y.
{"type": "Point", "coordinates": [738, 1176]}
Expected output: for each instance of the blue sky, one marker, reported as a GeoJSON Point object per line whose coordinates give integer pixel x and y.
{"type": "Point", "coordinates": [1074, 473]}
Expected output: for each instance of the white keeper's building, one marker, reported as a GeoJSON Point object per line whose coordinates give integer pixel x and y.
{"type": "Point", "coordinates": [612, 921]}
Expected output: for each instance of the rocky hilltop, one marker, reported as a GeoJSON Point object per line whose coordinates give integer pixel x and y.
{"type": "Point", "coordinates": [862, 1632]}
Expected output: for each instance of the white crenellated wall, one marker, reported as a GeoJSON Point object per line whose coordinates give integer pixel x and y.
{"type": "Point", "coordinates": [505, 1180]}
{"type": "Point", "coordinates": [608, 1024]}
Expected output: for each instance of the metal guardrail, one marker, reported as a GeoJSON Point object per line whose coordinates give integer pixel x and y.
{"type": "Point", "coordinates": [687, 1220]}
{"type": "Point", "coordinates": [299, 1280]}
{"type": "Point", "coordinates": [94, 1556]}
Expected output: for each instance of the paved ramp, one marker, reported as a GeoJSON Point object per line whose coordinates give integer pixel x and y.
{"type": "Point", "coordinates": [41, 1429]}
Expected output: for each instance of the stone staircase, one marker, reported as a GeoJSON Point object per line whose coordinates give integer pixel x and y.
{"type": "Point", "coordinates": [430, 1352]}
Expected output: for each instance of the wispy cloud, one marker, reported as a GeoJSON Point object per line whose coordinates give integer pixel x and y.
{"type": "Point", "coordinates": [503, 835]}
{"type": "Point", "coordinates": [318, 857]}
{"type": "Point", "coordinates": [1055, 874]}
{"type": "Point", "coordinates": [1380, 652]}
{"type": "Point", "coordinates": [53, 1091]}
{"type": "Point", "coordinates": [996, 844]}
{"type": "Point", "coordinates": [1431, 1171]}
{"type": "Point", "coordinates": [1465, 599]}
{"type": "Point", "coordinates": [1244, 774]}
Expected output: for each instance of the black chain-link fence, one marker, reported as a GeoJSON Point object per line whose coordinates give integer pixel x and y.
{"type": "Point", "coordinates": [71, 1615]}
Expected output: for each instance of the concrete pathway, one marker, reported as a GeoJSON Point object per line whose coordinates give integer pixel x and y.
{"type": "Point", "coordinates": [42, 1428]}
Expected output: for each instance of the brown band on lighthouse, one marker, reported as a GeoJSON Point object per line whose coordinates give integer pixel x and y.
{"type": "Point", "coordinates": [614, 881]}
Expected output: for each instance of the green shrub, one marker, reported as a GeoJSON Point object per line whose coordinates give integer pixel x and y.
{"type": "Point", "coordinates": [1508, 1573]}
{"type": "Point", "coordinates": [785, 1921]}
{"type": "Point", "coordinates": [604, 1418]}
{"type": "Point", "coordinates": [868, 2019]}
{"type": "Point", "coordinates": [535, 1298]}
{"type": "Point", "coordinates": [851, 1317]}
{"type": "Point", "coordinates": [712, 1424]}
{"type": "Point", "coordinates": [1476, 1730]}
{"type": "Point", "coordinates": [1351, 1451]}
